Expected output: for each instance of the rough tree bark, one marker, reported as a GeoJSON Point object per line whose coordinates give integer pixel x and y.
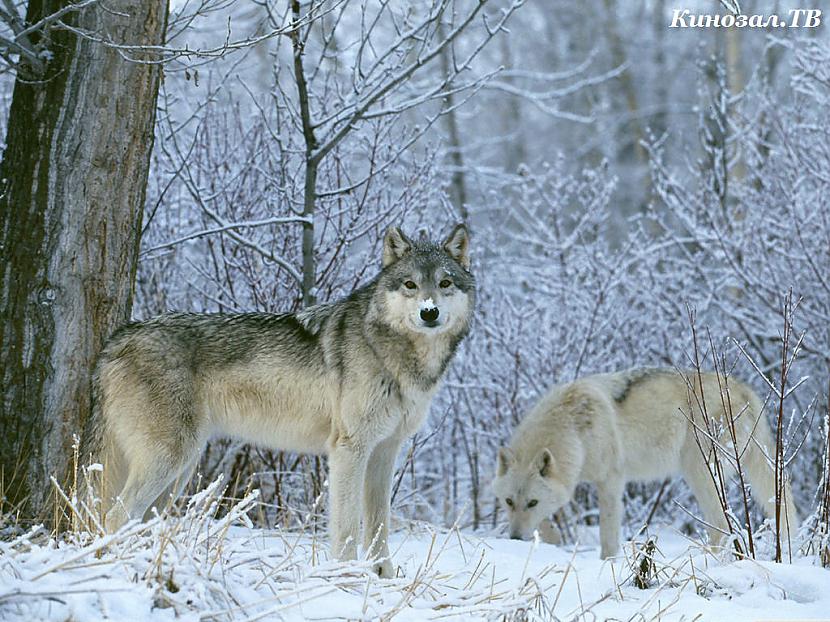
{"type": "Point", "coordinates": [72, 187]}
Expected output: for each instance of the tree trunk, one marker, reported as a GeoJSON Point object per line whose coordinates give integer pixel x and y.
{"type": "Point", "coordinates": [72, 186]}
{"type": "Point", "coordinates": [629, 89]}
{"type": "Point", "coordinates": [515, 149]}
{"type": "Point", "coordinates": [312, 161]}
{"type": "Point", "coordinates": [458, 187]}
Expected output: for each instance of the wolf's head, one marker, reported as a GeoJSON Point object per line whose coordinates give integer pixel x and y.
{"type": "Point", "coordinates": [427, 288]}
{"type": "Point", "coordinates": [529, 491]}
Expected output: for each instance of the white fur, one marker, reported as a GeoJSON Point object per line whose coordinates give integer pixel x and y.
{"type": "Point", "coordinates": [579, 432]}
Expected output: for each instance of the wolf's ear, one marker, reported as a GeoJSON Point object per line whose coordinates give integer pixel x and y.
{"type": "Point", "coordinates": [505, 460]}
{"type": "Point", "coordinates": [458, 245]}
{"type": "Point", "coordinates": [544, 463]}
{"type": "Point", "coordinates": [395, 244]}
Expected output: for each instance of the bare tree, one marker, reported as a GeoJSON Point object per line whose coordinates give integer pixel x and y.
{"type": "Point", "coordinates": [381, 81]}
{"type": "Point", "coordinates": [74, 172]}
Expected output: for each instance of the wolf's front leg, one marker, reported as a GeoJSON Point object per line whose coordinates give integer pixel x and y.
{"type": "Point", "coordinates": [609, 496]}
{"type": "Point", "coordinates": [347, 471]}
{"type": "Point", "coordinates": [376, 499]}
{"type": "Point", "coordinates": [549, 532]}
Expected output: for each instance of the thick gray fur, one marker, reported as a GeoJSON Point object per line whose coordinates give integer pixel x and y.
{"type": "Point", "coordinates": [352, 379]}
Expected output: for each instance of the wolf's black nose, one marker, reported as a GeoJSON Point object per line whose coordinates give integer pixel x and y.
{"type": "Point", "coordinates": [515, 536]}
{"type": "Point", "coordinates": [429, 315]}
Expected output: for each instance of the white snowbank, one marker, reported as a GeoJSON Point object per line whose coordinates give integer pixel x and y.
{"type": "Point", "coordinates": [194, 568]}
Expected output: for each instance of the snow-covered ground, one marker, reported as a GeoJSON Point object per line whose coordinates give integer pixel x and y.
{"type": "Point", "coordinates": [195, 568]}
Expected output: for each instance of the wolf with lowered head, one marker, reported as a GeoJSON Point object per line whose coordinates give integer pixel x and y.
{"type": "Point", "coordinates": [351, 379]}
{"type": "Point", "coordinates": [636, 425]}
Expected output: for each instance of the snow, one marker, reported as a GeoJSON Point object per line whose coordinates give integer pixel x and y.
{"type": "Point", "coordinates": [197, 568]}
{"type": "Point", "coordinates": [427, 304]}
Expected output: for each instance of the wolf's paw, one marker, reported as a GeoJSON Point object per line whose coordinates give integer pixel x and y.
{"type": "Point", "coordinates": [384, 569]}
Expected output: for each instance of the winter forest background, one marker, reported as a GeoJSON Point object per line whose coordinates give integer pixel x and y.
{"type": "Point", "coordinates": [621, 180]}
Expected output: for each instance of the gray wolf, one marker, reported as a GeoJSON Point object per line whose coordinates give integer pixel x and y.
{"type": "Point", "coordinates": [639, 424]}
{"type": "Point", "coordinates": [351, 379]}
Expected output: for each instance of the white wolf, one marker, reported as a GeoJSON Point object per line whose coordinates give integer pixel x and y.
{"type": "Point", "coordinates": [609, 429]}
{"type": "Point", "coordinates": [352, 379]}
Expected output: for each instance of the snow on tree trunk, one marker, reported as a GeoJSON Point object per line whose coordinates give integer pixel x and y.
{"type": "Point", "coordinates": [72, 188]}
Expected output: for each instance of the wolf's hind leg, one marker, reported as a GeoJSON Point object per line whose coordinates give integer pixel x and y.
{"type": "Point", "coordinates": [174, 490]}
{"type": "Point", "coordinates": [376, 499]}
{"type": "Point", "coordinates": [139, 492]}
{"type": "Point", "coordinates": [761, 475]}
{"type": "Point", "coordinates": [609, 496]}
{"type": "Point", "coordinates": [697, 476]}
{"type": "Point", "coordinates": [145, 484]}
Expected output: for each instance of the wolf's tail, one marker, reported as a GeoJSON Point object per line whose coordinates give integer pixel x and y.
{"type": "Point", "coordinates": [97, 448]}
{"type": "Point", "coordinates": [758, 464]}
{"type": "Point", "coordinates": [92, 435]}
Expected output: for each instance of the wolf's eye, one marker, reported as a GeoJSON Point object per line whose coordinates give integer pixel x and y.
{"type": "Point", "coordinates": [532, 503]}
{"type": "Point", "coordinates": [509, 502]}
{"type": "Point", "coordinates": [409, 284]}
{"type": "Point", "coordinates": [445, 283]}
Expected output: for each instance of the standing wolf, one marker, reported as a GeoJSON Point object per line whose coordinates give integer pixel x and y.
{"type": "Point", "coordinates": [609, 429]}
{"type": "Point", "coordinates": [352, 379]}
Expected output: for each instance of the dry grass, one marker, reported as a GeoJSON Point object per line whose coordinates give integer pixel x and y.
{"type": "Point", "coordinates": [204, 559]}
{"type": "Point", "coordinates": [224, 569]}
